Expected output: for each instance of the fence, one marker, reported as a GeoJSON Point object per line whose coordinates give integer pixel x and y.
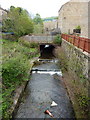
{"type": "Point", "coordinates": [80, 42]}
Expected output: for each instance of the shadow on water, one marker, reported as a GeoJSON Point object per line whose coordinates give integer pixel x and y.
{"type": "Point", "coordinates": [45, 86]}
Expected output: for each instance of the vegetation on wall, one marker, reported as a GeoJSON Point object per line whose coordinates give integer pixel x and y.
{"type": "Point", "coordinates": [77, 81]}
{"type": "Point", "coordinates": [78, 27]}
{"type": "Point", "coordinates": [58, 40]}
{"type": "Point", "coordinates": [15, 69]}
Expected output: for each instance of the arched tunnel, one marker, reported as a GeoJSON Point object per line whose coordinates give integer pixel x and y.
{"type": "Point", "coordinates": [47, 51]}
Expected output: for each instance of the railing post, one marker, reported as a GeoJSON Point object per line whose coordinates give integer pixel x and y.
{"type": "Point", "coordinates": [73, 40]}
{"type": "Point", "coordinates": [88, 46]}
{"type": "Point", "coordinates": [67, 37]}
{"type": "Point", "coordinates": [79, 42]}
{"type": "Point", "coordinates": [84, 45]}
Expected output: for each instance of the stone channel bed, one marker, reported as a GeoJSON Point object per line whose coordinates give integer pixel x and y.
{"type": "Point", "coordinates": [43, 88]}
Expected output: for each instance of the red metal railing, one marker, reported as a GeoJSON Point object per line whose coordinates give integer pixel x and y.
{"type": "Point", "coordinates": [80, 42]}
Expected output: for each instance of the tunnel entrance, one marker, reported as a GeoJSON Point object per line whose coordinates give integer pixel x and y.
{"type": "Point", "coordinates": [47, 51]}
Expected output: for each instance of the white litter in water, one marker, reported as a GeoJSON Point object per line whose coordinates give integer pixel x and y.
{"type": "Point", "coordinates": [38, 59]}
{"type": "Point", "coordinates": [56, 61]}
{"type": "Point", "coordinates": [46, 46]}
{"type": "Point", "coordinates": [53, 104]}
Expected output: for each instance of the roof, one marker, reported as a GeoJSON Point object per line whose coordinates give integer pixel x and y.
{"type": "Point", "coordinates": [63, 6]}
{"type": "Point", "coordinates": [4, 9]}
{"type": "Point", "coordinates": [72, 1]}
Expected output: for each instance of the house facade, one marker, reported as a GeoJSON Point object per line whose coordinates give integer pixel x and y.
{"type": "Point", "coordinates": [3, 15]}
{"type": "Point", "coordinates": [50, 25]}
{"type": "Point", "coordinates": [73, 14]}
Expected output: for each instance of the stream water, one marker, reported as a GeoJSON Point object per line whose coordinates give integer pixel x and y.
{"type": "Point", "coordinates": [45, 85]}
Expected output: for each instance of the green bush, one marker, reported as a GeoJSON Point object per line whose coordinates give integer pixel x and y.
{"type": "Point", "coordinates": [24, 43]}
{"type": "Point", "coordinates": [78, 27]}
{"type": "Point", "coordinates": [58, 40]}
{"type": "Point", "coordinates": [15, 70]}
{"type": "Point", "coordinates": [33, 45]}
{"type": "Point", "coordinates": [28, 43]}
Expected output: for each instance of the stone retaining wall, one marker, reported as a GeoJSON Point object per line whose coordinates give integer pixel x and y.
{"type": "Point", "coordinates": [74, 64]}
{"type": "Point", "coordinates": [78, 60]}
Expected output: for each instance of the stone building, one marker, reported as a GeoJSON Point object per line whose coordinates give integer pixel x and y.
{"type": "Point", "coordinates": [50, 25]}
{"type": "Point", "coordinates": [75, 13]}
{"type": "Point", "coordinates": [3, 15]}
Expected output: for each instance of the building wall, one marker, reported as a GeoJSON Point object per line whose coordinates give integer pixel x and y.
{"type": "Point", "coordinates": [50, 25]}
{"type": "Point", "coordinates": [89, 19]}
{"type": "Point", "coordinates": [0, 15]}
{"type": "Point", "coordinates": [73, 14]}
{"type": "Point", "coordinates": [3, 14]}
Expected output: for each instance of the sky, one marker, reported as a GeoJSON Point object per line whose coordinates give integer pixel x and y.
{"type": "Point", "coordinates": [46, 8]}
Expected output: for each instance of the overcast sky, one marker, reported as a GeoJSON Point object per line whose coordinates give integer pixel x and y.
{"type": "Point", "coordinates": [46, 8]}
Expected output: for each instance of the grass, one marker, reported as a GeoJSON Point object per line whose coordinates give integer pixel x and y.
{"type": "Point", "coordinates": [15, 69]}
{"type": "Point", "coordinates": [57, 40]}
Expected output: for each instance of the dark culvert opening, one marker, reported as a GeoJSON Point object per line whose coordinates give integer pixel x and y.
{"type": "Point", "coordinates": [47, 51]}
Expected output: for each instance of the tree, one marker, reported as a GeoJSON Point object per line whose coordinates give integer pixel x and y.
{"type": "Point", "coordinates": [18, 21]}
{"type": "Point", "coordinates": [11, 8]}
{"type": "Point", "coordinates": [37, 19]}
{"type": "Point", "coordinates": [38, 24]}
{"type": "Point", "coordinates": [38, 29]}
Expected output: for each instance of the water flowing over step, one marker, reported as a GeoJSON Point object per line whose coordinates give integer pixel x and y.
{"type": "Point", "coordinates": [44, 88]}
{"type": "Point", "coordinates": [43, 71]}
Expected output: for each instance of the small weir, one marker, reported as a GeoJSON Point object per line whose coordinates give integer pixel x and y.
{"type": "Point", "coordinates": [51, 72]}
{"type": "Point", "coordinates": [44, 87]}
